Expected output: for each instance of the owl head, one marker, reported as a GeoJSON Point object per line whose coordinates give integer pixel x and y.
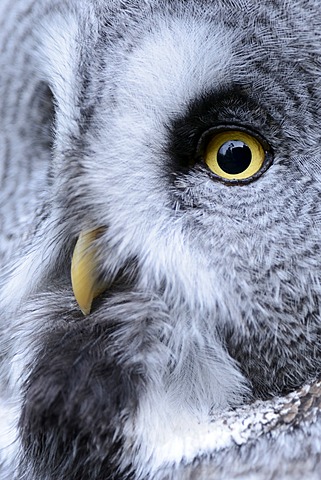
{"type": "Point", "coordinates": [174, 267]}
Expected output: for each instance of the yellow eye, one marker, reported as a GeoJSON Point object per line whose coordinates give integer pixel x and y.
{"type": "Point", "coordinates": [234, 155]}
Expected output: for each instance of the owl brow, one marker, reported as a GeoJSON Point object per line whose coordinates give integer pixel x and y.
{"type": "Point", "coordinates": [217, 108]}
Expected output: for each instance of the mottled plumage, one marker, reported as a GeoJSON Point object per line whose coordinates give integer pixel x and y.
{"type": "Point", "coordinates": [201, 354]}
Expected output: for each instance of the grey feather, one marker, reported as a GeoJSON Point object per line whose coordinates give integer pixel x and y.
{"type": "Point", "coordinates": [201, 355]}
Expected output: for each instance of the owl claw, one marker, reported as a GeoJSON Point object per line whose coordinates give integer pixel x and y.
{"type": "Point", "coordinates": [84, 277]}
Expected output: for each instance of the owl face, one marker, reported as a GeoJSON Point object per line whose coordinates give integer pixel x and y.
{"type": "Point", "coordinates": [174, 268]}
{"type": "Point", "coordinates": [199, 156]}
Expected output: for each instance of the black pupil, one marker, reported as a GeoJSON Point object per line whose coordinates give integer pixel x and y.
{"type": "Point", "coordinates": [234, 157]}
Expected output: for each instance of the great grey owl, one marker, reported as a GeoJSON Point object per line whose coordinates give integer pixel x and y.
{"type": "Point", "coordinates": [160, 208]}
